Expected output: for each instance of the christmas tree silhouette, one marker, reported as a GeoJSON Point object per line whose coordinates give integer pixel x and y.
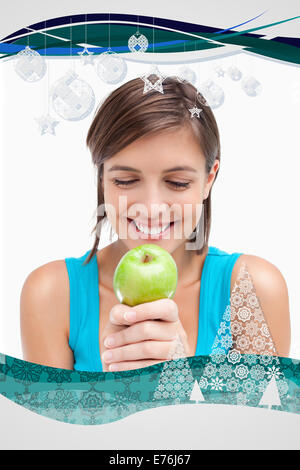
{"type": "Point", "coordinates": [176, 379]}
{"type": "Point", "coordinates": [196, 394]}
{"type": "Point", "coordinates": [271, 396]}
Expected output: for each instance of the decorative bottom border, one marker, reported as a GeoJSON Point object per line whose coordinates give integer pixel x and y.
{"type": "Point", "coordinates": [103, 397]}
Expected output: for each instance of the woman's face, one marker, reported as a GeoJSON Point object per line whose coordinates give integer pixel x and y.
{"type": "Point", "coordinates": [152, 193]}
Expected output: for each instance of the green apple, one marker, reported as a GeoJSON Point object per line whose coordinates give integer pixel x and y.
{"type": "Point", "coordinates": [144, 274]}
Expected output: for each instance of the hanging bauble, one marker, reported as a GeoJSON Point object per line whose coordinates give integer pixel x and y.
{"type": "Point", "coordinates": [213, 94]}
{"type": "Point", "coordinates": [234, 73]}
{"type": "Point", "coordinates": [72, 98]}
{"type": "Point", "coordinates": [201, 99]}
{"type": "Point", "coordinates": [138, 42]}
{"type": "Point", "coordinates": [111, 68]}
{"type": "Point", "coordinates": [219, 71]}
{"type": "Point", "coordinates": [186, 73]}
{"type": "Point", "coordinates": [251, 86]}
{"type": "Point", "coordinates": [30, 65]}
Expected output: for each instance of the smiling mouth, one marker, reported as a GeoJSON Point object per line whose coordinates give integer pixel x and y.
{"type": "Point", "coordinates": [150, 227]}
{"type": "Point", "coordinates": [149, 234]}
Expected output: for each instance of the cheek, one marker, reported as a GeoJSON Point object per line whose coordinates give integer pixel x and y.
{"type": "Point", "coordinates": [190, 204]}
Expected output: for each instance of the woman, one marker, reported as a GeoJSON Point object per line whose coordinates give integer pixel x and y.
{"type": "Point", "coordinates": [152, 152]}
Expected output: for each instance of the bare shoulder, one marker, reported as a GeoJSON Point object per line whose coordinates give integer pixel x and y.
{"type": "Point", "coordinates": [48, 282]}
{"type": "Point", "coordinates": [44, 315]}
{"type": "Point", "coordinates": [272, 293]}
{"type": "Point", "coordinates": [265, 274]}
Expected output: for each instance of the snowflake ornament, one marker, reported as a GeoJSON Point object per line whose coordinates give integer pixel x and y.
{"type": "Point", "coordinates": [138, 43]}
{"type": "Point", "coordinates": [157, 85]}
{"type": "Point", "coordinates": [251, 86]}
{"type": "Point", "coordinates": [185, 73]}
{"type": "Point", "coordinates": [30, 65]}
{"type": "Point", "coordinates": [234, 73]}
{"type": "Point", "coordinates": [111, 68]}
{"type": "Point", "coordinates": [213, 93]}
{"type": "Point", "coordinates": [72, 98]}
{"type": "Point", "coordinates": [46, 124]}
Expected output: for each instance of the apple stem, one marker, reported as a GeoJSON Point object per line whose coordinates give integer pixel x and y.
{"type": "Point", "coordinates": [147, 258]}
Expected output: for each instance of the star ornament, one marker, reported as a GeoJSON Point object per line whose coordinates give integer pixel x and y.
{"type": "Point", "coordinates": [46, 124]}
{"type": "Point", "coordinates": [157, 85]}
{"type": "Point", "coordinates": [194, 111]}
{"type": "Point", "coordinates": [219, 71]}
{"type": "Point", "coordinates": [86, 56]}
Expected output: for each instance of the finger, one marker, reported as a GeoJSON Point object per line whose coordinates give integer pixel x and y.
{"type": "Point", "coordinates": [143, 350]}
{"type": "Point", "coordinates": [131, 365]}
{"type": "Point", "coordinates": [143, 331]}
{"type": "Point", "coordinates": [116, 315]}
{"type": "Point", "coordinates": [162, 309]}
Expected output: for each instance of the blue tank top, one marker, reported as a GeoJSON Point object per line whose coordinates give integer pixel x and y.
{"type": "Point", "coordinates": [85, 306]}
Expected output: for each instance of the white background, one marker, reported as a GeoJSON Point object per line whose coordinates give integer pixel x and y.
{"type": "Point", "coordinates": [49, 183]}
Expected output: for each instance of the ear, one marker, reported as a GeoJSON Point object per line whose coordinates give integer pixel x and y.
{"type": "Point", "coordinates": [210, 178]}
{"type": "Point", "coordinates": [100, 176]}
{"type": "Point", "coordinates": [101, 182]}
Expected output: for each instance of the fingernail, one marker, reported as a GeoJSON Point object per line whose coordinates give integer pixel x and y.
{"type": "Point", "coordinates": [109, 341]}
{"type": "Point", "coordinates": [107, 356]}
{"type": "Point", "coordinates": [130, 315]}
{"type": "Point", "coordinates": [113, 367]}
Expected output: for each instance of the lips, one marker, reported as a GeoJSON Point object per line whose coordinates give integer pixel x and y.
{"type": "Point", "coordinates": [149, 236]}
{"type": "Point", "coordinates": [151, 226]}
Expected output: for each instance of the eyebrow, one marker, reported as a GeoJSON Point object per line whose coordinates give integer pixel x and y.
{"type": "Point", "coordinates": [175, 168]}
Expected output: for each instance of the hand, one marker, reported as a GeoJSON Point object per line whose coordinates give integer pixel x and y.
{"type": "Point", "coordinates": [153, 334]}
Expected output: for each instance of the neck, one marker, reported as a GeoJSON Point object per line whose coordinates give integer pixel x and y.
{"type": "Point", "coordinates": [189, 266]}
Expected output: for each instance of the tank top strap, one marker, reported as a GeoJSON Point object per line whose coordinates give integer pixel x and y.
{"type": "Point", "coordinates": [84, 311]}
{"type": "Point", "coordinates": [215, 300]}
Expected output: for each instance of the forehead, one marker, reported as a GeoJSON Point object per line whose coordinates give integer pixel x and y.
{"type": "Point", "coordinates": [161, 150]}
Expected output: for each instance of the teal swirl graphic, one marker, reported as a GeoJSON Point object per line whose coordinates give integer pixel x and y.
{"type": "Point", "coordinates": [94, 398]}
{"type": "Point", "coordinates": [65, 35]}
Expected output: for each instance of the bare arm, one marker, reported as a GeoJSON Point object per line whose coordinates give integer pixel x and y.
{"type": "Point", "coordinates": [44, 316]}
{"type": "Point", "coordinates": [268, 286]}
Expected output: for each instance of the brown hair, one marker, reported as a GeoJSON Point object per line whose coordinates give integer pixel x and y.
{"type": "Point", "coordinates": [127, 114]}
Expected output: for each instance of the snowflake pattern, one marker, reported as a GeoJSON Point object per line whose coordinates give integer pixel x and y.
{"type": "Point", "coordinates": [176, 379]}
{"type": "Point", "coordinates": [250, 332]}
{"type": "Point", "coordinates": [88, 398]}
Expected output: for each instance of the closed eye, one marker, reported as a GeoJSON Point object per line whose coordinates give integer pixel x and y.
{"type": "Point", "coordinates": [177, 184]}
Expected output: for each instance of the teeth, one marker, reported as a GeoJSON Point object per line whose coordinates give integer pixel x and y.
{"type": "Point", "coordinates": [154, 231]}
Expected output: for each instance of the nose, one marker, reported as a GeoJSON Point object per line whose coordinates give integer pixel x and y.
{"type": "Point", "coordinates": [151, 208]}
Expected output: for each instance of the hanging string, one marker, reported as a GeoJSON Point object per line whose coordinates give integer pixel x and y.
{"type": "Point", "coordinates": [70, 39]}
{"type": "Point", "coordinates": [85, 29]}
{"type": "Point", "coordinates": [48, 84]}
{"type": "Point", "coordinates": [72, 61]}
{"type": "Point", "coordinates": [45, 105]}
{"type": "Point", "coordinates": [153, 35]}
{"type": "Point", "coordinates": [109, 31]}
